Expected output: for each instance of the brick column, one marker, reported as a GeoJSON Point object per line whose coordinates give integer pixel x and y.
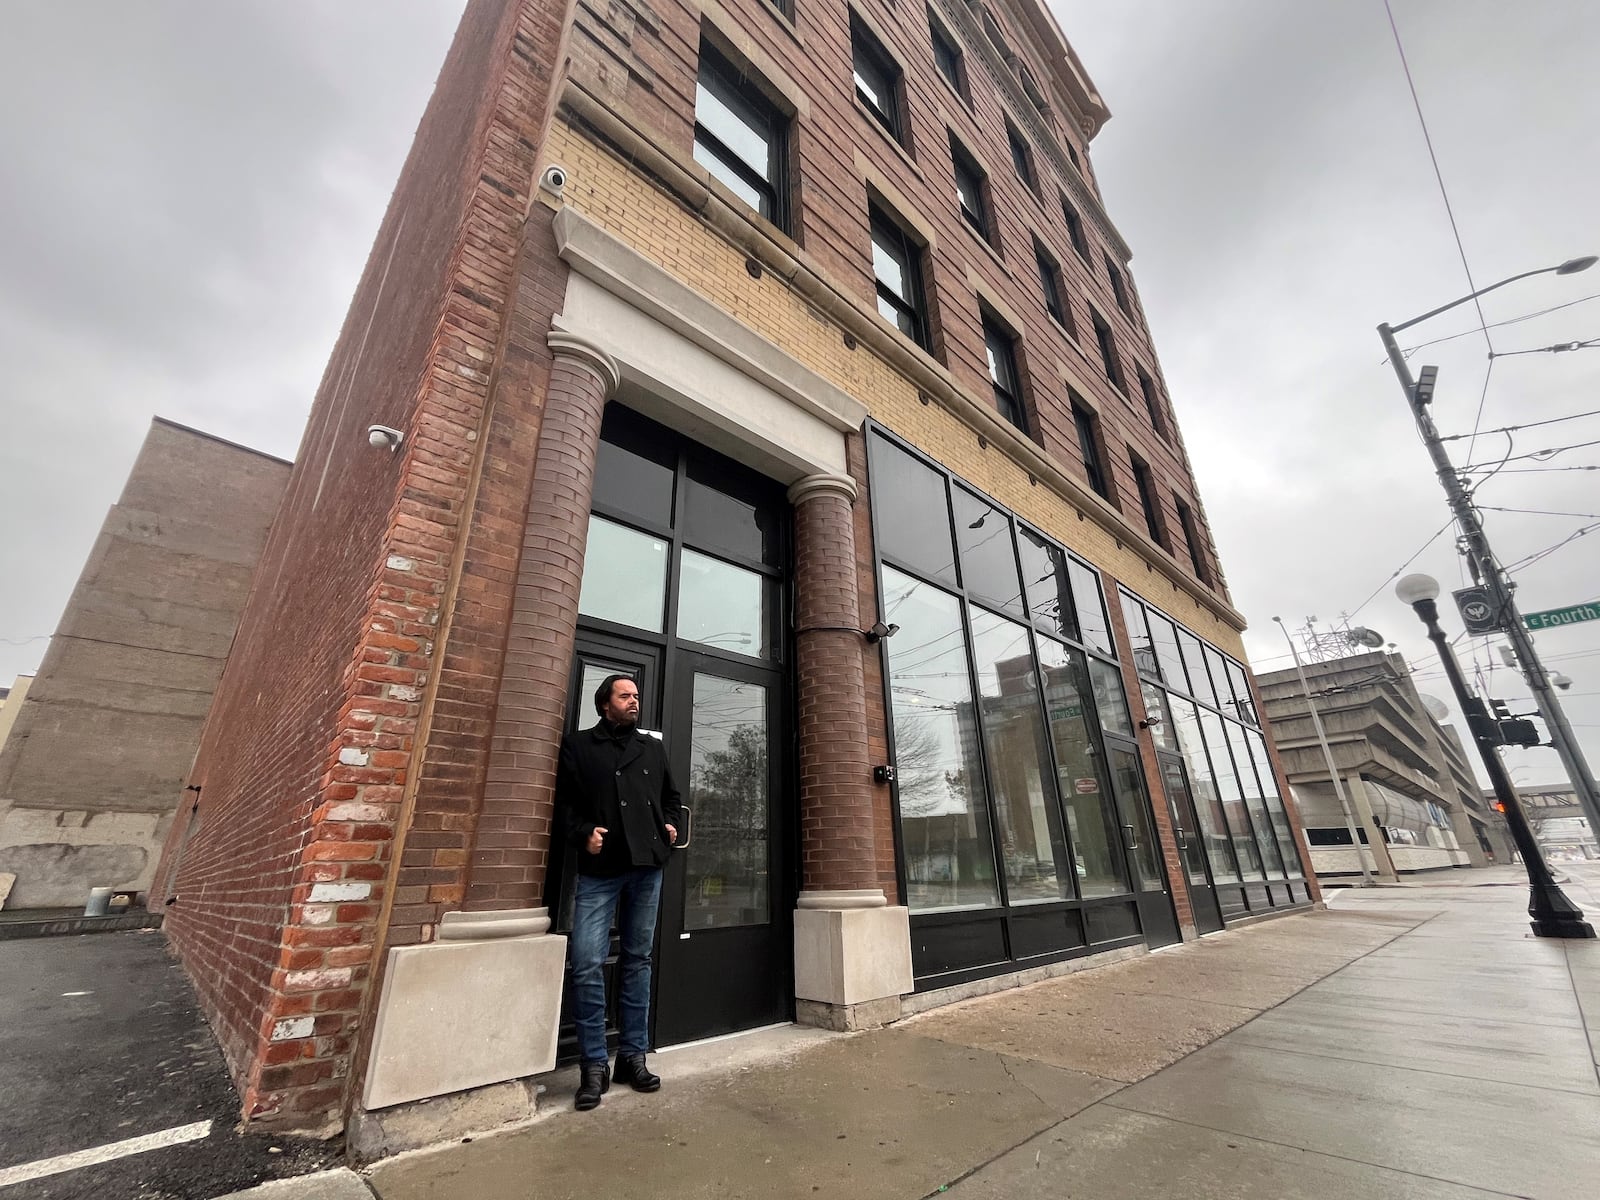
{"type": "Point", "coordinates": [512, 841]}
{"type": "Point", "coordinates": [852, 950]}
{"type": "Point", "coordinates": [836, 842]}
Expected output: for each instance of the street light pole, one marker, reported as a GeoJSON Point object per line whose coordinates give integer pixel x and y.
{"type": "Point", "coordinates": [1485, 567]}
{"type": "Point", "coordinates": [1553, 915]}
{"type": "Point", "coordinates": [1327, 757]}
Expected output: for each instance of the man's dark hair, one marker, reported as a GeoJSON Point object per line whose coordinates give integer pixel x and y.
{"type": "Point", "coordinates": [602, 694]}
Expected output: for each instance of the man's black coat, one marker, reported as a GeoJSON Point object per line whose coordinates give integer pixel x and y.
{"type": "Point", "coordinates": [621, 782]}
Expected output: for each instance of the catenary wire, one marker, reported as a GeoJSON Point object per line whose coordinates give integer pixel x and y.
{"type": "Point", "coordinates": [1543, 312]}
{"type": "Point", "coordinates": [1457, 437]}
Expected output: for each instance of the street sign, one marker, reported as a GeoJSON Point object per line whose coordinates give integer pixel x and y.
{"type": "Point", "coordinates": [1479, 613]}
{"type": "Point", "coordinates": [1554, 618]}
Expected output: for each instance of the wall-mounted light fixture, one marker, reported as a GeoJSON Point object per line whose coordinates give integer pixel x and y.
{"type": "Point", "coordinates": [383, 436]}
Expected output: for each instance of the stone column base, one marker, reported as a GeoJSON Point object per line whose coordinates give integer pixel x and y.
{"type": "Point", "coordinates": [475, 1007]}
{"type": "Point", "coordinates": [852, 959]}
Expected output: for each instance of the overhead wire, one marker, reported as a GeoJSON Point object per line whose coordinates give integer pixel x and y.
{"type": "Point", "coordinates": [1401, 567]}
{"type": "Point", "coordinates": [1456, 437]}
{"type": "Point", "coordinates": [1543, 312]}
{"type": "Point", "coordinates": [1528, 560]}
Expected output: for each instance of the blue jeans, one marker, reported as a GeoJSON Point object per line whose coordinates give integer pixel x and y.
{"type": "Point", "coordinates": [639, 891]}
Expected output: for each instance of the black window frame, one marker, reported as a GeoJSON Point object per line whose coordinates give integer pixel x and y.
{"type": "Point", "coordinates": [1152, 403]}
{"type": "Point", "coordinates": [867, 50]}
{"type": "Point", "coordinates": [1144, 483]}
{"type": "Point", "coordinates": [1053, 285]}
{"type": "Point", "coordinates": [948, 58]}
{"type": "Point", "coordinates": [1119, 287]}
{"type": "Point", "coordinates": [1000, 347]}
{"type": "Point", "coordinates": [882, 223]}
{"type": "Point", "coordinates": [1075, 232]}
{"type": "Point", "coordinates": [1091, 450]}
{"type": "Point", "coordinates": [1191, 540]}
{"type": "Point", "coordinates": [1110, 359]}
{"type": "Point", "coordinates": [1021, 156]}
{"type": "Point", "coordinates": [979, 218]}
{"type": "Point", "coordinates": [736, 90]}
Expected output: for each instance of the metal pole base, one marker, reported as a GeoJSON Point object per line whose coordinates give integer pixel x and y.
{"type": "Point", "coordinates": [1554, 915]}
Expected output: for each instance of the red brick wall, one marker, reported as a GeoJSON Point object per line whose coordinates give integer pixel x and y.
{"type": "Point", "coordinates": [308, 750]}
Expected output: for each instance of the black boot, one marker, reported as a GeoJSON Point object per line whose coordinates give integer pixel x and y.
{"type": "Point", "coordinates": [596, 1081]}
{"type": "Point", "coordinates": [631, 1070]}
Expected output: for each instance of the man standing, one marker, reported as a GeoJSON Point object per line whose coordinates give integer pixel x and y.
{"type": "Point", "coordinates": [620, 811]}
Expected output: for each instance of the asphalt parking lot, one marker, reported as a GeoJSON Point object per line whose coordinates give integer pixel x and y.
{"type": "Point", "coordinates": [111, 1085]}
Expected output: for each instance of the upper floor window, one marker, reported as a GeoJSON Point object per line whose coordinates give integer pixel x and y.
{"type": "Point", "coordinates": [1108, 351]}
{"type": "Point", "coordinates": [1072, 153]}
{"type": "Point", "coordinates": [1080, 243]}
{"type": "Point", "coordinates": [1147, 500]}
{"type": "Point", "coordinates": [947, 56]}
{"type": "Point", "coordinates": [740, 135]}
{"type": "Point", "coordinates": [1119, 288]}
{"type": "Point", "coordinates": [1000, 344]}
{"type": "Point", "coordinates": [1152, 404]}
{"type": "Point", "coordinates": [877, 79]}
{"type": "Point", "coordinates": [970, 184]}
{"type": "Point", "coordinates": [1021, 156]}
{"type": "Point", "coordinates": [1191, 539]}
{"type": "Point", "coordinates": [897, 267]}
{"type": "Point", "coordinates": [1089, 446]}
{"type": "Point", "coordinates": [1050, 284]}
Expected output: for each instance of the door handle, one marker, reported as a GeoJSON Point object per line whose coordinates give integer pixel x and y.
{"type": "Point", "coordinates": [1182, 836]}
{"type": "Point", "coordinates": [1133, 836]}
{"type": "Point", "coordinates": [688, 828]}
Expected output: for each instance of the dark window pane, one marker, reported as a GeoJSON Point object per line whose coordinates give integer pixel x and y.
{"type": "Point", "coordinates": [1019, 155]}
{"type": "Point", "coordinates": [728, 861]}
{"type": "Point", "coordinates": [944, 811]}
{"type": "Point", "coordinates": [1152, 403]}
{"type": "Point", "coordinates": [719, 520]}
{"type": "Point", "coordinates": [1226, 776]}
{"type": "Point", "coordinates": [1000, 347]}
{"type": "Point", "coordinates": [1089, 446]}
{"type": "Point", "coordinates": [896, 270]}
{"type": "Point", "coordinates": [1147, 499]}
{"type": "Point", "coordinates": [946, 57]}
{"type": "Point", "coordinates": [1281, 830]}
{"type": "Point", "coordinates": [633, 475]}
{"type": "Point", "coordinates": [1109, 697]}
{"type": "Point", "coordinates": [1091, 815]}
{"type": "Point", "coordinates": [1191, 538]}
{"type": "Point", "coordinates": [1093, 629]}
{"type": "Point", "coordinates": [1203, 788]}
{"type": "Point", "coordinates": [1165, 638]}
{"type": "Point", "coordinates": [969, 190]}
{"type": "Point", "coordinates": [876, 78]}
{"type": "Point", "coordinates": [1108, 351]}
{"type": "Point", "coordinates": [1144, 650]}
{"type": "Point", "coordinates": [1031, 845]}
{"type": "Point", "coordinates": [1050, 285]}
{"type": "Point", "coordinates": [988, 559]}
{"type": "Point", "coordinates": [738, 134]}
{"type": "Point", "coordinates": [1244, 706]}
{"type": "Point", "coordinates": [1075, 229]}
{"type": "Point", "coordinates": [1118, 288]}
{"type": "Point", "coordinates": [1044, 575]}
{"type": "Point", "coordinates": [913, 517]}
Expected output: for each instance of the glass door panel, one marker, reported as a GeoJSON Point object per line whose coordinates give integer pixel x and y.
{"type": "Point", "coordinates": [727, 880]}
{"type": "Point", "coordinates": [1157, 918]}
{"type": "Point", "coordinates": [1185, 828]}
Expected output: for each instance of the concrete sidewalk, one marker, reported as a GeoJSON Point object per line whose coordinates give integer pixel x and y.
{"type": "Point", "coordinates": [1407, 1043]}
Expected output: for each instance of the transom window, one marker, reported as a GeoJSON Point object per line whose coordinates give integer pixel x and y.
{"type": "Point", "coordinates": [1000, 346]}
{"type": "Point", "coordinates": [969, 191]}
{"type": "Point", "coordinates": [877, 79]}
{"type": "Point", "coordinates": [896, 268]}
{"type": "Point", "coordinates": [739, 135]}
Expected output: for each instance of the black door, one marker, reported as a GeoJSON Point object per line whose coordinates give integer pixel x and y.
{"type": "Point", "coordinates": [726, 932]}
{"type": "Point", "coordinates": [1186, 828]}
{"type": "Point", "coordinates": [1157, 918]}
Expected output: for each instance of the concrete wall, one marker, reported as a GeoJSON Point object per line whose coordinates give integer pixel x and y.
{"type": "Point", "coordinates": [103, 739]}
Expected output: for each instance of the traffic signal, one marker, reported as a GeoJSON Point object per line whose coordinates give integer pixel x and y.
{"type": "Point", "coordinates": [1512, 731]}
{"type": "Point", "coordinates": [1484, 727]}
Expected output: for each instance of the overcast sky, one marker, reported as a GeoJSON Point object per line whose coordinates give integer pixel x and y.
{"type": "Point", "coordinates": [188, 192]}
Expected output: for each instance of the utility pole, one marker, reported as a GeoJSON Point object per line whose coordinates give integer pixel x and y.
{"type": "Point", "coordinates": [1480, 555]}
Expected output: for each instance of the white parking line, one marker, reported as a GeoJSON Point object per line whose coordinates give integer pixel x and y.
{"type": "Point", "coordinates": [88, 1158]}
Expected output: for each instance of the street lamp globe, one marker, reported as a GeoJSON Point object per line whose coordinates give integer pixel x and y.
{"type": "Point", "coordinates": [1414, 589]}
{"type": "Point", "coordinates": [1573, 265]}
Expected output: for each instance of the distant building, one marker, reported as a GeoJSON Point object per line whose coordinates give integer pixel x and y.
{"type": "Point", "coordinates": [1556, 816]}
{"type": "Point", "coordinates": [1415, 802]}
{"type": "Point", "coordinates": [101, 739]}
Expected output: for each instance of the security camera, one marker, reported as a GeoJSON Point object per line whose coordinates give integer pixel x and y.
{"type": "Point", "coordinates": [383, 437]}
{"type": "Point", "coordinates": [554, 179]}
{"type": "Point", "coordinates": [1561, 681]}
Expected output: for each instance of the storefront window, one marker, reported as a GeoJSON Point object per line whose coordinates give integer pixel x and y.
{"type": "Point", "coordinates": [1031, 845]}
{"type": "Point", "coordinates": [1203, 787]}
{"type": "Point", "coordinates": [988, 558]}
{"type": "Point", "coordinates": [1274, 802]}
{"type": "Point", "coordinates": [1091, 819]}
{"type": "Point", "coordinates": [1157, 713]}
{"type": "Point", "coordinates": [1044, 574]}
{"type": "Point", "coordinates": [1164, 635]}
{"type": "Point", "coordinates": [1144, 651]}
{"type": "Point", "coordinates": [1093, 629]}
{"type": "Point", "coordinates": [1226, 778]}
{"type": "Point", "coordinates": [1109, 697]}
{"type": "Point", "coordinates": [944, 818]}
{"type": "Point", "coordinates": [1194, 659]}
{"type": "Point", "coordinates": [1254, 801]}
{"type": "Point", "coordinates": [913, 516]}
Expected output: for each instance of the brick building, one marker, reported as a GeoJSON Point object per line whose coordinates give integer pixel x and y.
{"type": "Point", "coordinates": [784, 356]}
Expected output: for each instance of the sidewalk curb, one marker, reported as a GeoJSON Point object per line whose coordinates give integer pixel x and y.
{"type": "Point", "coordinates": [341, 1183]}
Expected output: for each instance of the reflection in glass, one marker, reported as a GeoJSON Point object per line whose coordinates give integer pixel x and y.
{"type": "Point", "coordinates": [913, 518]}
{"type": "Point", "coordinates": [1109, 697]}
{"type": "Point", "coordinates": [1203, 789]}
{"type": "Point", "coordinates": [631, 476]}
{"type": "Point", "coordinates": [1243, 704]}
{"type": "Point", "coordinates": [719, 520]}
{"type": "Point", "coordinates": [944, 820]}
{"type": "Point", "coordinates": [1219, 678]}
{"type": "Point", "coordinates": [988, 559]}
{"type": "Point", "coordinates": [1092, 626]}
{"type": "Point", "coordinates": [1194, 658]}
{"type": "Point", "coordinates": [1128, 780]}
{"type": "Point", "coordinates": [1226, 777]}
{"type": "Point", "coordinates": [726, 880]}
{"type": "Point", "coordinates": [1044, 574]}
{"type": "Point", "coordinates": [1159, 718]}
{"type": "Point", "coordinates": [1031, 845]}
{"type": "Point", "coordinates": [1144, 650]}
{"type": "Point", "coordinates": [1254, 801]}
{"type": "Point", "coordinates": [1281, 831]}
{"type": "Point", "coordinates": [624, 576]}
{"type": "Point", "coordinates": [719, 605]}
{"type": "Point", "coordinates": [1091, 819]}
{"type": "Point", "coordinates": [1164, 636]}
{"type": "Point", "coordinates": [1181, 802]}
